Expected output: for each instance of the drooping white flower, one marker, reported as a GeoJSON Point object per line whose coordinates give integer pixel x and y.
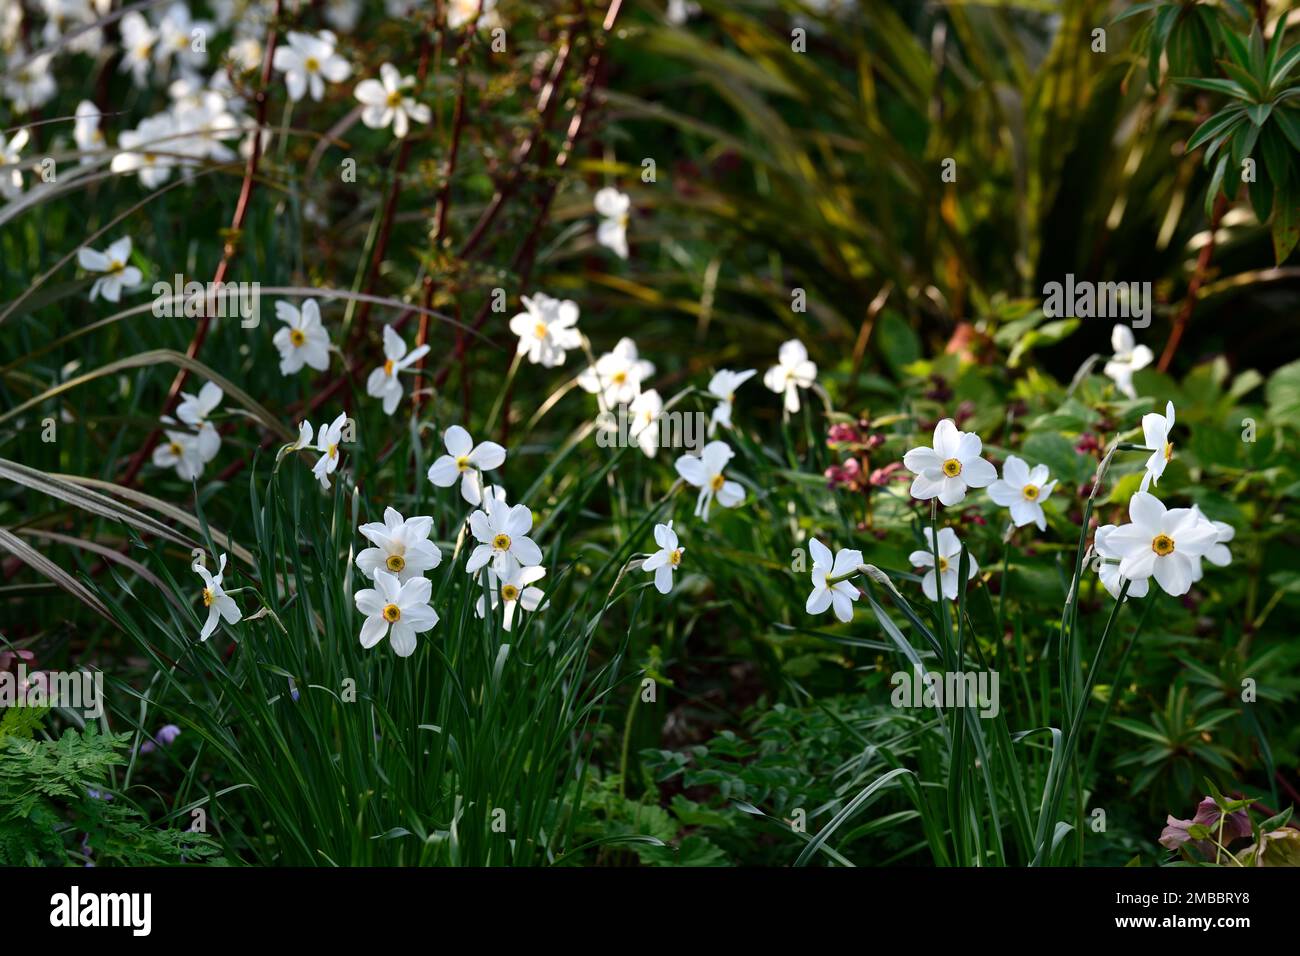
{"type": "Point", "coordinates": [179, 451]}
{"type": "Point", "coordinates": [1023, 490]}
{"type": "Point", "coordinates": [707, 472]}
{"type": "Point", "coordinates": [327, 443]}
{"type": "Point", "coordinates": [614, 209]}
{"type": "Point", "coordinates": [303, 340]}
{"type": "Point", "coordinates": [194, 410]}
{"type": "Point", "coordinates": [1166, 544]}
{"type": "Point", "coordinates": [617, 375]}
{"type": "Point", "coordinates": [138, 41]}
{"type": "Point", "coordinates": [514, 590]}
{"type": "Point", "coordinates": [11, 183]}
{"type": "Point", "coordinates": [667, 559]}
{"type": "Point", "coordinates": [723, 387]}
{"type": "Point", "coordinates": [383, 381]}
{"type": "Point", "coordinates": [1128, 358]}
{"type": "Point", "coordinates": [386, 102]}
{"type": "Point", "coordinates": [839, 595]}
{"type": "Point", "coordinates": [401, 546]}
{"type": "Point", "coordinates": [31, 85]}
{"type": "Point", "coordinates": [467, 462]}
{"type": "Point", "coordinates": [502, 535]}
{"type": "Point", "coordinates": [215, 599]}
{"type": "Point", "coordinates": [85, 130]}
{"type": "Point", "coordinates": [1155, 436]}
{"type": "Point", "coordinates": [307, 61]}
{"type": "Point", "coordinates": [644, 425]}
{"type": "Point", "coordinates": [397, 611]}
{"type": "Point", "coordinates": [793, 370]}
{"type": "Point", "coordinates": [1108, 567]}
{"type": "Point", "coordinates": [115, 273]}
{"type": "Point", "coordinates": [950, 467]}
{"type": "Point", "coordinates": [149, 151]}
{"type": "Point", "coordinates": [304, 437]}
{"type": "Point", "coordinates": [949, 558]}
{"type": "Point", "coordinates": [547, 331]}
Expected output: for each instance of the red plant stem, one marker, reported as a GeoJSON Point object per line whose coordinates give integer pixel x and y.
{"type": "Point", "coordinates": [228, 252]}
{"type": "Point", "coordinates": [1194, 286]}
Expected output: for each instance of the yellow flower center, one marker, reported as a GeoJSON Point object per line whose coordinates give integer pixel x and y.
{"type": "Point", "coordinates": [619, 378]}
{"type": "Point", "coordinates": [539, 330]}
{"type": "Point", "coordinates": [943, 564]}
{"type": "Point", "coordinates": [394, 99]}
{"type": "Point", "coordinates": [297, 338]}
{"type": "Point", "coordinates": [462, 463]}
{"type": "Point", "coordinates": [952, 468]}
{"type": "Point", "coordinates": [207, 597]}
{"type": "Point", "coordinates": [395, 563]}
{"type": "Point", "coordinates": [717, 482]}
{"type": "Point", "coordinates": [1030, 492]}
{"type": "Point", "coordinates": [115, 266]}
{"type": "Point", "coordinates": [175, 449]}
{"type": "Point", "coordinates": [392, 613]}
{"type": "Point", "coordinates": [311, 64]}
{"type": "Point", "coordinates": [501, 542]}
{"type": "Point", "coordinates": [1169, 451]}
{"type": "Point", "coordinates": [509, 592]}
{"type": "Point", "coordinates": [150, 158]}
{"type": "Point", "coordinates": [676, 557]}
{"type": "Point", "coordinates": [333, 451]}
{"type": "Point", "coordinates": [388, 367]}
{"type": "Point", "coordinates": [1162, 544]}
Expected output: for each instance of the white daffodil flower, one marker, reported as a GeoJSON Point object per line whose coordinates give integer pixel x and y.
{"type": "Point", "coordinates": [303, 340]}
{"type": "Point", "coordinates": [949, 558]}
{"type": "Point", "coordinates": [666, 560]}
{"type": "Point", "coordinates": [793, 370]}
{"type": "Point", "coordinates": [180, 451]}
{"type": "Point", "coordinates": [1023, 490]}
{"type": "Point", "coordinates": [85, 130]}
{"type": "Point", "coordinates": [839, 595]}
{"type": "Point", "coordinates": [148, 151]}
{"type": "Point", "coordinates": [952, 466]}
{"type": "Point", "coordinates": [723, 387]}
{"type": "Point", "coordinates": [706, 472]}
{"type": "Point", "coordinates": [1155, 436]}
{"type": "Point", "coordinates": [502, 536]}
{"type": "Point", "coordinates": [1162, 543]}
{"type": "Point", "coordinates": [547, 331]}
{"type": "Point", "coordinates": [194, 411]}
{"type": "Point", "coordinates": [1108, 567]}
{"type": "Point", "coordinates": [307, 61]}
{"type": "Point", "coordinates": [386, 102]}
{"type": "Point", "coordinates": [401, 546]}
{"type": "Point", "coordinates": [11, 183]}
{"type": "Point", "coordinates": [115, 274]}
{"type": "Point", "coordinates": [217, 601]}
{"type": "Point", "coordinates": [176, 32]}
{"type": "Point", "coordinates": [327, 443]}
{"type": "Point", "coordinates": [617, 375]}
{"type": "Point", "coordinates": [514, 590]}
{"type": "Point", "coordinates": [467, 462]}
{"type": "Point", "coordinates": [614, 208]}
{"type": "Point", "coordinates": [138, 41]}
{"type": "Point", "coordinates": [396, 610]}
{"type": "Point", "coordinates": [32, 85]}
{"type": "Point", "coordinates": [644, 426]}
{"type": "Point", "coordinates": [383, 382]}
{"type": "Point", "coordinates": [1128, 358]}
{"type": "Point", "coordinates": [1217, 554]}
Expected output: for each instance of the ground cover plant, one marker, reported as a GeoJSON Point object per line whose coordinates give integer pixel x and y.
{"type": "Point", "coordinates": [457, 432]}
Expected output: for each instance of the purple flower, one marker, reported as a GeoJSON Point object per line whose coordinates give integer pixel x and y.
{"type": "Point", "coordinates": [1177, 833]}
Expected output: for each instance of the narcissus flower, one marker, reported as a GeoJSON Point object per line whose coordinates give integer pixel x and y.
{"type": "Point", "coordinates": [176, 32]}
{"type": "Point", "coordinates": [180, 450]}
{"type": "Point", "coordinates": [1218, 553]}
{"type": "Point", "coordinates": [1162, 543]}
{"type": "Point", "coordinates": [706, 472]}
{"type": "Point", "coordinates": [1128, 358]}
{"type": "Point", "coordinates": [1023, 490]}
{"type": "Point", "coordinates": [793, 370]}
{"type": "Point", "coordinates": [195, 410]}
{"type": "Point", "coordinates": [217, 601]}
{"type": "Point", "coordinates": [11, 183]}
{"type": "Point", "coordinates": [950, 467]}
{"type": "Point", "coordinates": [1155, 436]}
{"type": "Point", "coordinates": [514, 590]}
{"type": "Point", "coordinates": [547, 330]}
{"type": "Point", "coordinates": [138, 40]}
{"type": "Point", "coordinates": [327, 443]}
{"type": "Point", "coordinates": [467, 462]}
{"type": "Point", "coordinates": [644, 426]}
{"type": "Point", "coordinates": [149, 150]}
{"type": "Point", "coordinates": [383, 382]}
{"type": "Point", "coordinates": [85, 131]}
{"type": "Point", "coordinates": [401, 546]}
{"type": "Point", "coordinates": [839, 595]}
{"type": "Point", "coordinates": [112, 264]}
{"type": "Point", "coordinates": [949, 559]}
{"type": "Point", "coordinates": [397, 611]}
{"type": "Point", "coordinates": [617, 375]}
{"type": "Point", "coordinates": [387, 102]}
{"type": "Point", "coordinates": [613, 207]}
{"type": "Point", "coordinates": [723, 387]}
{"type": "Point", "coordinates": [303, 340]}
{"type": "Point", "coordinates": [32, 84]}
{"type": "Point", "coordinates": [666, 560]}
{"type": "Point", "coordinates": [307, 61]}
{"type": "Point", "coordinates": [502, 535]}
{"type": "Point", "coordinates": [1107, 565]}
